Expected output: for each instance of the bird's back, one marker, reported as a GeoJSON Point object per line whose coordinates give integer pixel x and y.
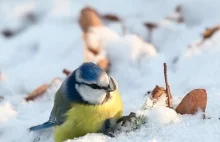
{"type": "Point", "coordinates": [83, 119]}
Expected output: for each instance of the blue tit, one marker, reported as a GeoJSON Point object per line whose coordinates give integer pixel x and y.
{"type": "Point", "coordinates": [88, 101]}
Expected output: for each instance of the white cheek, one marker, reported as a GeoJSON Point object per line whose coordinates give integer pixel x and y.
{"type": "Point", "coordinates": [93, 96]}
{"type": "Point", "coordinates": [104, 80]}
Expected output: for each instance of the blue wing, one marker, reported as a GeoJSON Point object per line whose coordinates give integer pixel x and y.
{"type": "Point", "coordinates": [51, 123]}
{"type": "Point", "coordinates": [57, 116]}
{"type": "Point", "coordinates": [62, 104]}
{"type": "Point", "coordinates": [43, 126]}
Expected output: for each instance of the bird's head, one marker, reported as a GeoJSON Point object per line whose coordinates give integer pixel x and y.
{"type": "Point", "coordinates": [92, 83]}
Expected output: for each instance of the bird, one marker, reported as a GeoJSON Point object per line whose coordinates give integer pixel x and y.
{"type": "Point", "coordinates": [88, 101]}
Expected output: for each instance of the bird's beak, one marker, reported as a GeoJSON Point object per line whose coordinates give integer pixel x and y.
{"type": "Point", "coordinates": [112, 85]}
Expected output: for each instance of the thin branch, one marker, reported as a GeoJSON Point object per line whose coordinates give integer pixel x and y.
{"type": "Point", "coordinates": [66, 72]}
{"type": "Point", "coordinates": [169, 97]}
{"type": "Point", "coordinates": [150, 27]}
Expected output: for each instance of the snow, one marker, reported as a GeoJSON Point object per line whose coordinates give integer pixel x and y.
{"type": "Point", "coordinates": [6, 112]}
{"type": "Point", "coordinates": [162, 115]}
{"type": "Point", "coordinates": [39, 54]}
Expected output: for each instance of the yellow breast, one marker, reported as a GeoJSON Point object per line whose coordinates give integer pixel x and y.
{"type": "Point", "coordinates": [83, 119]}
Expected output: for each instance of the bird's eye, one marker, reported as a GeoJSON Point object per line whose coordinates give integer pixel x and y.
{"type": "Point", "coordinates": [94, 86]}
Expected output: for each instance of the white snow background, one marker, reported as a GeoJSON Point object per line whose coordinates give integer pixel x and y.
{"type": "Point", "coordinates": [39, 53]}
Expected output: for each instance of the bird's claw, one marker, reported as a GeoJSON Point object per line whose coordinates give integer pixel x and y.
{"type": "Point", "coordinates": [36, 139]}
{"type": "Point", "coordinates": [109, 133]}
{"type": "Point", "coordinates": [128, 118]}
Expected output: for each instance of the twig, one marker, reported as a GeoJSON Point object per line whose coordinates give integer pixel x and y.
{"type": "Point", "coordinates": [150, 27]}
{"type": "Point", "coordinates": [167, 86]}
{"type": "Point", "coordinates": [66, 72]}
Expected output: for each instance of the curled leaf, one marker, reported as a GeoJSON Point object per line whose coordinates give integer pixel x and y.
{"type": "Point", "coordinates": [192, 102]}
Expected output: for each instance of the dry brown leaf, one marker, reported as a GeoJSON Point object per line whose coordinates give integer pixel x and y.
{"type": "Point", "coordinates": [94, 51]}
{"type": "Point", "coordinates": [89, 17]}
{"type": "Point", "coordinates": [150, 25]}
{"type": "Point", "coordinates": [111, 17]}
{"type": "Point", "coordinates": [157, 92]}
{"type": "Point", "coordinates": [104, 64]}
{"type": "Point", "coordinates": [37, 92]}
{"type": "Point", "coordinates": [192, 102]}
{"type": "Point", "coordinates": [210, 31]}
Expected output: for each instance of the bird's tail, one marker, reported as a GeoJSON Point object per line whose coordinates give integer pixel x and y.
{"type": "Point", "coordinates": [43, 126]}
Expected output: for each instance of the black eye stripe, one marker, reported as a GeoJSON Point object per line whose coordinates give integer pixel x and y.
{"type": "Point", "coordinates": [94, 86]}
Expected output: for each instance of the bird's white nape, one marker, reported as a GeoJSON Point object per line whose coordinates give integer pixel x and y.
{"type": "Point", "coordinates": [93, 96]}
{"type": "Point", "coordinates": [113, 83]}
{"type": "Point", "coordinates": [104, 80]}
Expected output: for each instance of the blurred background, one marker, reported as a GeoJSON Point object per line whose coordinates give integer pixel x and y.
{"type": "Point", "coordinates": [130, 39]}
